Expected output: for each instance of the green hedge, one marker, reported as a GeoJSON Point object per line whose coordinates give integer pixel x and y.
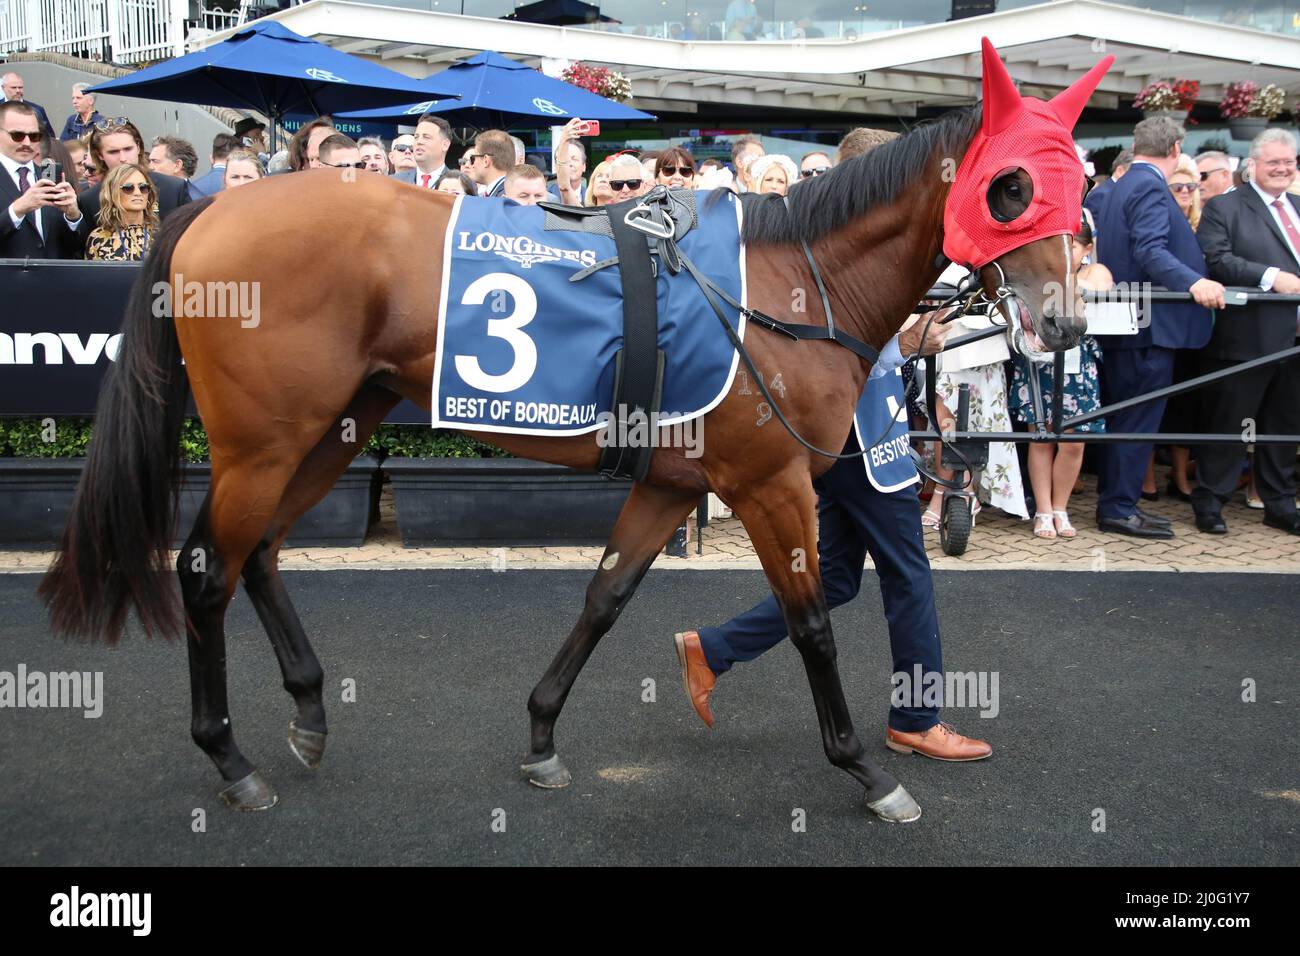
{"type": "Point", "coordinates": [29, 438]}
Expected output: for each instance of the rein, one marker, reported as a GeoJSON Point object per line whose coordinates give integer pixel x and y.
{"type": "Point", "coordinates": [970, 300]}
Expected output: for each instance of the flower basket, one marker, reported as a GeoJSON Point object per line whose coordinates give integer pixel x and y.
{"type": "Point", "coordinates": [600, 80]}
{"type": "Point", "coordinates": [1247, 127]}
{"type": "Point", "coordinates": [1172, 98]}
{"type": "Point", "coordinates": [1248, 108]}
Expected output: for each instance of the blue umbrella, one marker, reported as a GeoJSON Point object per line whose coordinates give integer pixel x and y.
{"type": "Point", "coordinates": [496, 92]}
{"type": "Point", "coordinates": [270, 69]}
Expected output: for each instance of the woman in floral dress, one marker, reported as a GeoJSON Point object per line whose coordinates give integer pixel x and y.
{"type": "Point", "coordinates": [1054, 467]}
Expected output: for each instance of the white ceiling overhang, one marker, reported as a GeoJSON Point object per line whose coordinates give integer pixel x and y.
{"type": "Point", "coordinates": [887, 74]}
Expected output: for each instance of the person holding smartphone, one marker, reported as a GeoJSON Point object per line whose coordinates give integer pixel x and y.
{"type": "Point", "coordinates": [571, 160]}
{"type": "Point", "coordinates": [41, 217]}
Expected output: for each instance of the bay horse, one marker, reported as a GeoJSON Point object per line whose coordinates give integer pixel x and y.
{"type": "Point", "coordinates": [349, 326]}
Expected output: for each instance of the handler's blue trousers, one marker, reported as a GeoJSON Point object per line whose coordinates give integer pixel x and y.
{"type": "Point", "coordinates": [854, 518]}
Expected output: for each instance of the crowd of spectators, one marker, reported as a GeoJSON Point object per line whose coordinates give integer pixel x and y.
{"type": "Point", "coordinates": [1165, 220]}
{"type": "Point", "coordinates": [1161, 218]}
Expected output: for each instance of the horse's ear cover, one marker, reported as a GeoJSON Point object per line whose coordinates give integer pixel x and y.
{"type": "Point", "coordinates": [1026, 133]}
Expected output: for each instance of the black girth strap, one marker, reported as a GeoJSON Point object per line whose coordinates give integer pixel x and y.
{"type": "Point", "coordinates": [639, 365]}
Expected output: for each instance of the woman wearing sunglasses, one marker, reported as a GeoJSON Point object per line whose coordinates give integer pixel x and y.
{"type": "Point", "coordinates": [1185, 184]}
{"type": "Point", "coordinates": [128, 216]}
{"type": "Point", "coordinates": [675, 168]}
{"type": "Point", "coordinates": [1182, 412]}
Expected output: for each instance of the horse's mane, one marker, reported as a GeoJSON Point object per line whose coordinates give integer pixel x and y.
{"type": "Point", "coordinates": [825, 203]}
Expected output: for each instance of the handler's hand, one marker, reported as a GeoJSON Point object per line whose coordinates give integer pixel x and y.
{"type": "Point", "coordinates": [909, 336]}
{"type": "Point", "coordinates": [1208, 293]}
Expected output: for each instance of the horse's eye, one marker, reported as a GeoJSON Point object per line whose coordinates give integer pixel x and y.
{"type": "Point", "coordinates": [1009, 194]}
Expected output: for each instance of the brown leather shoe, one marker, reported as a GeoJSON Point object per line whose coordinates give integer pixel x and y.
{"type": "Point", "coordinates": [941, 742]}
{"type": "Point", "coordinates": [697, 677]}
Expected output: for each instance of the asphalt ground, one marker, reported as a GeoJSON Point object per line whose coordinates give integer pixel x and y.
{"type": "Point", "coordinates": [1118, 692]}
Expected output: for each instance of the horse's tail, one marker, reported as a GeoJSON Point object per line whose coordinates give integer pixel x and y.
{"type": "Point", "coordinates": [115, 548]}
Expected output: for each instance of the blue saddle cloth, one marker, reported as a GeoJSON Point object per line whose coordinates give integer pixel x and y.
{"type": "Point", "coordinates": [881, 417]}
{"type": "Point", "coordinates": [525, 351]}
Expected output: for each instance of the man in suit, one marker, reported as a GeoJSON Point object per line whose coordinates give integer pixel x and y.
{"type": "Point", "coordinates": [113, 145]}
{"type": "Point", "coordinates": [430, 144]}
{"type": "Point", "coordinates": [1096, 198]}
{"type": "Point", "coordinates": [40, 218]}
{"type": "Point", "coordinates": [1143, 238]}
{"type": "Point", "coordinates": [1216, 174]}
{"type": "Point", "coordinates": [13, 88]}
{"type": "Point", "coordinates": [1251, 237]}
{"type": "Point", "coordinates": [865, 505]}
{"type": "Point", "coordinates": [494, 156]}
{"type": "Point", "coordinates": [214, 180]}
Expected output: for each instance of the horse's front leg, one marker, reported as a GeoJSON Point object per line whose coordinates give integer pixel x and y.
{"type": "Point", "coordinates": [650, 515]}
{"type": "Point", "coordinates": [781, 518]}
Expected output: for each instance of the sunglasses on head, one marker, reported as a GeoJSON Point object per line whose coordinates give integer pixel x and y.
{"type": "Point", "coordinates": [1207, 173]}
{"type": "Point", "coordinates": [17, 135]}
{"type": "Point", "coordinates": [130, 188]}
{"type": "Point", "coordinates": [113, 124]}
{"type": "Point", "coordinates": [815, 171]}
{"type": "Point", "coordinates": [676, 171]}
{"type": "Point", "coordinates": [618, 185]}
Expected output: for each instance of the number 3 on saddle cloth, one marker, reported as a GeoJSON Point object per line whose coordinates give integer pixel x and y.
{"type": "Point", "coordinates": [881, 412]}
{"type": "Point", "coordinates": [524, 350]}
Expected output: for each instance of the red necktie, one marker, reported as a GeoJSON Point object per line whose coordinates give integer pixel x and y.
{"type": "Point", "coordinates": [1292, 235]}
{"type": "Point", "coordinates": [1292, 238]}
{"type": "Point", "coordinates": [23, 184]}
{"type": "Point", "coordinates": [426, 177]}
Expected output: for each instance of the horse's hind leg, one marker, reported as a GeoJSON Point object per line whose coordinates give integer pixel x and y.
{"type": "Point", "coordinates": [649, 517]}
{"type": "Point", "coordinates": [781, 519]}
{"type": "Point", "coordinates": [225, 533]}
{"type": "Point", "coordinates": [302, 672]}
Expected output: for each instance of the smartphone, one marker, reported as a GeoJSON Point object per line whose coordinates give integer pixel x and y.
{"type": "Point", "coordinates": [589, 128]}
{"type": "Point", "coordinates": [1237, 297]}
{"type": "Point", "coordinates": [51, 170]}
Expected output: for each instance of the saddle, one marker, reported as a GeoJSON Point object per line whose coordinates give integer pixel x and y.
{"type": "Point", "coordinates": [645, 231]}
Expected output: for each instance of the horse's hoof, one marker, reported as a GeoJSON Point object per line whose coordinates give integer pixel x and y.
{"type": "Point", "coordinates": [897, 806]}
{"type": "Point", "coordinates": [250, 793]}
{"type": "Point", "coordinates": [308, 745]}
{"type": "Point", "coordinates": [549, 774]}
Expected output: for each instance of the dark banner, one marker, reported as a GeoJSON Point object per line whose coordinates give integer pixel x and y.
{"type": "Point", "coordinates": [59, 331]}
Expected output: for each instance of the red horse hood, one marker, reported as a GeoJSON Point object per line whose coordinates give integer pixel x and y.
{"type": "Point", "coordinates": [1036, 136]}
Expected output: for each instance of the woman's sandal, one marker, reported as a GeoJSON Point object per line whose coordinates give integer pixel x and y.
{"type": "Point", "coordinates": [1063, 527]}
{"type": "Point", "coordinates": [930, 518]}
{"type": "Point", "coordinates": [1043, 525]}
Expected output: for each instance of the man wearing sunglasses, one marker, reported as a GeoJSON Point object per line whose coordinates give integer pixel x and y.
{"type": "Point", "coordinates": [401, 155]}
{"type": "Point", "coordinates": [626, 177]}
{"type": "Point", "coordinates": [1216, 174]}
{"type": "Point", "coordinates": [340, 151]}
{"type": "Point", "coordinates": [814, 164]}
{"type": "Point", "coordinates": [40, 218]}
{"type": "Point", "coordinates": [494, 157]}
{"type": "Point", "coordinates": [116, 141]}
